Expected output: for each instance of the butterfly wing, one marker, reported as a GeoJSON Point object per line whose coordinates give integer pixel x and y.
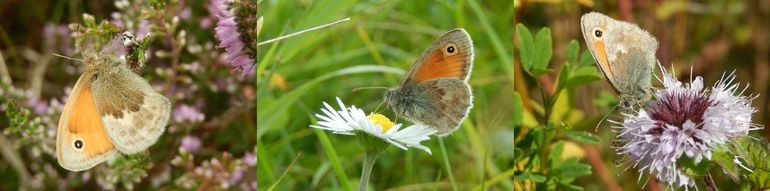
{"type": "Point", "coordinates": [449, 102]}
{"type": "Point", "coordinates": [435, 91]}
{"type": "Point", "coordinates": [624, 52]}
{"type": "Point", "coordinates": [134, 114]}
{"type": "Point", "coordinates": [81, 140]}
{"type": "Point", "coordinates": [449, 56]}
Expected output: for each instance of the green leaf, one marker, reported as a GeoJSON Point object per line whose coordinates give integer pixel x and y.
{"type": "Point", "coordinates": [526, 47]}
{"type": "Point", "coordinates": [555, 155]}
{"type": "Point", "coordinates": [570, 187]}
{"type": "Point", "coordinates": [537, 177]}
{"type": "Point", "coordinates": [572, 52]}
{"type": "Point", "coordinates": [563, 77]}
{"type": "Point", "coordinates": [583, 75]}
{"type": "Point", "coordinates": [760, 179]}
{"type": "Point", "coordinates": [543, 48]}
{"type": "Point", "coordinates": [689, 166]}
{"type": "Point", "coordinates": [584, 137]}
{"type": "Point", "coordinates": [571, 168]}
{"type": "Point", "coordinates": [540, 71]}
{"type": "Point", "coordinates": [586, 59]}
{"type": "Point", "coordinates": [725, 160]}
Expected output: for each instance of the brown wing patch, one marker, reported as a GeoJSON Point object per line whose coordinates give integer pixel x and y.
{"type": "Point", "coordinates": [85, 124]}
{"type": "Point", "coordinates": [131, 102]}
{"type": "Point", "coordinates": [440, 64]}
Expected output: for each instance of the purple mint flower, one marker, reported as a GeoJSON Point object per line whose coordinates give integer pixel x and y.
{"type": "Point", "coordinates": [191, 143]}
{"type": "Point", "coordinates": [684, 120]}
{"type": "Point", "coordinates": [185, 113]}
{"type": "Point", "coordinates": [230, 39]}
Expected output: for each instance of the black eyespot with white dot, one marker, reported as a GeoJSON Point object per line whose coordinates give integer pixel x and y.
{"type": "Point", "coordinates": [450, 49]}
{"type": "Point", "coordinates": [78, 144]}
{"type": "Point", "coordinates": [598, 33]}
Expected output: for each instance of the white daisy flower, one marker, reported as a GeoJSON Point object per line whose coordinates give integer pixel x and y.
{"type": "Point", "coordinates": [684, 120]}
{"type": "Point", "coordinates": [350, 121]}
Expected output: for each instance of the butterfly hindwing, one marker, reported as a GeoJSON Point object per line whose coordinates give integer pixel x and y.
{"type": "Point", "coordinates": [451, 99]}
{"type": "Point", "coordinates": [134, 114]}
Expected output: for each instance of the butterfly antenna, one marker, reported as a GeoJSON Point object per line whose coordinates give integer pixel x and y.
{"type": "Point", "coordinates": [361, 88]}
{"type": "Point", "coordinates": [67, 57]}
{"type": "Point", "coordinates": [378, 106]}
{"type": "Point", "coordinates": [596, 129]}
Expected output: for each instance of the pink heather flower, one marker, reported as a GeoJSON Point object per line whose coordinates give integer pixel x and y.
{"type": "Point", "coordinates": [37, 105]}
{"type": "Point", "coordinates": [58, 38]}
{"type": "Point", "coordinates": [684, 121]}
{"type": "Point", "coordinates": [236, 176]}
{"type": "Point", "coordinates": [186, 113]}
{"type": "Point", "coordinates": [191, 143]}
{"type": "Point", "coordinates": [229, 38]}
{"type": "Point", "coordinates": [250, 159]}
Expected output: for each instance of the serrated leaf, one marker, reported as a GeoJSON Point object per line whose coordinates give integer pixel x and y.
{"type": "Point", "coordinates": [526, 46]}
{"type": "Point", "coordinates": [584, 137]}
{"type": "Point", "coordinates": [760, 180]}
{"type": "Point", "coordinates": [543, 49]}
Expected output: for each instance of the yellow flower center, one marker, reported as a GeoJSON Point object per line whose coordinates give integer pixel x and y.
{"type": "Point", "coordinates": [381, 120]}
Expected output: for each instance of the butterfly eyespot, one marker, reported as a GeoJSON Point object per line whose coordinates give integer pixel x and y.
{"type": "Point", "coordinates": [78, 144]}
{"type": "Point", "coordinates": [598, 33]}
{"type": "Point", "coordinates": [450, 49]}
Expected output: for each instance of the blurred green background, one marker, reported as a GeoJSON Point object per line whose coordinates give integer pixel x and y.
{"type": "Point", "coordinates": [707, 38]}
{"type": "Point", "coordinates": [380, 42]}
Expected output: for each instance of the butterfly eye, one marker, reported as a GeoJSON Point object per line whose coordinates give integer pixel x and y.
{"type": "Point", "coordinates": [78, 144]}
{"type": "Point", "coordinates": [450, 49]}
{"type": "Point", "coordinates": [598, 33]}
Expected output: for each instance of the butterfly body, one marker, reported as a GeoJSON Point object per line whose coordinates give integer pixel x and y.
{"type": "Point", "coordinates": [625, 54]}
{"type": "Point", "coordinates": [110, 110]}
{"type": "Point", "coordinates": [435, 91]}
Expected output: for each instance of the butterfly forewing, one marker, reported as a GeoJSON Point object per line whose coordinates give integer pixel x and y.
{"type": "Point", "coordinates": [450, 56]}
{"type": "Point", "coordinates": [81, 139]}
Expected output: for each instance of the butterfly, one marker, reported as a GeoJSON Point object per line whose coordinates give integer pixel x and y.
{"type": "Point", "coordinates": [435, 91]}
{"type": "Point", "coordinates": [110, 110]}
{"type": "Point", "coordinates": [625, 54]}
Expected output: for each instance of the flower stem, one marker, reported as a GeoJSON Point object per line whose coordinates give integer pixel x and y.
{"type": "Point", "coordinates": [369, 159]}
{"type": "Point", "coordinates": [446, 164]}
{"type": "Point", "coordinates": [709, 182]}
